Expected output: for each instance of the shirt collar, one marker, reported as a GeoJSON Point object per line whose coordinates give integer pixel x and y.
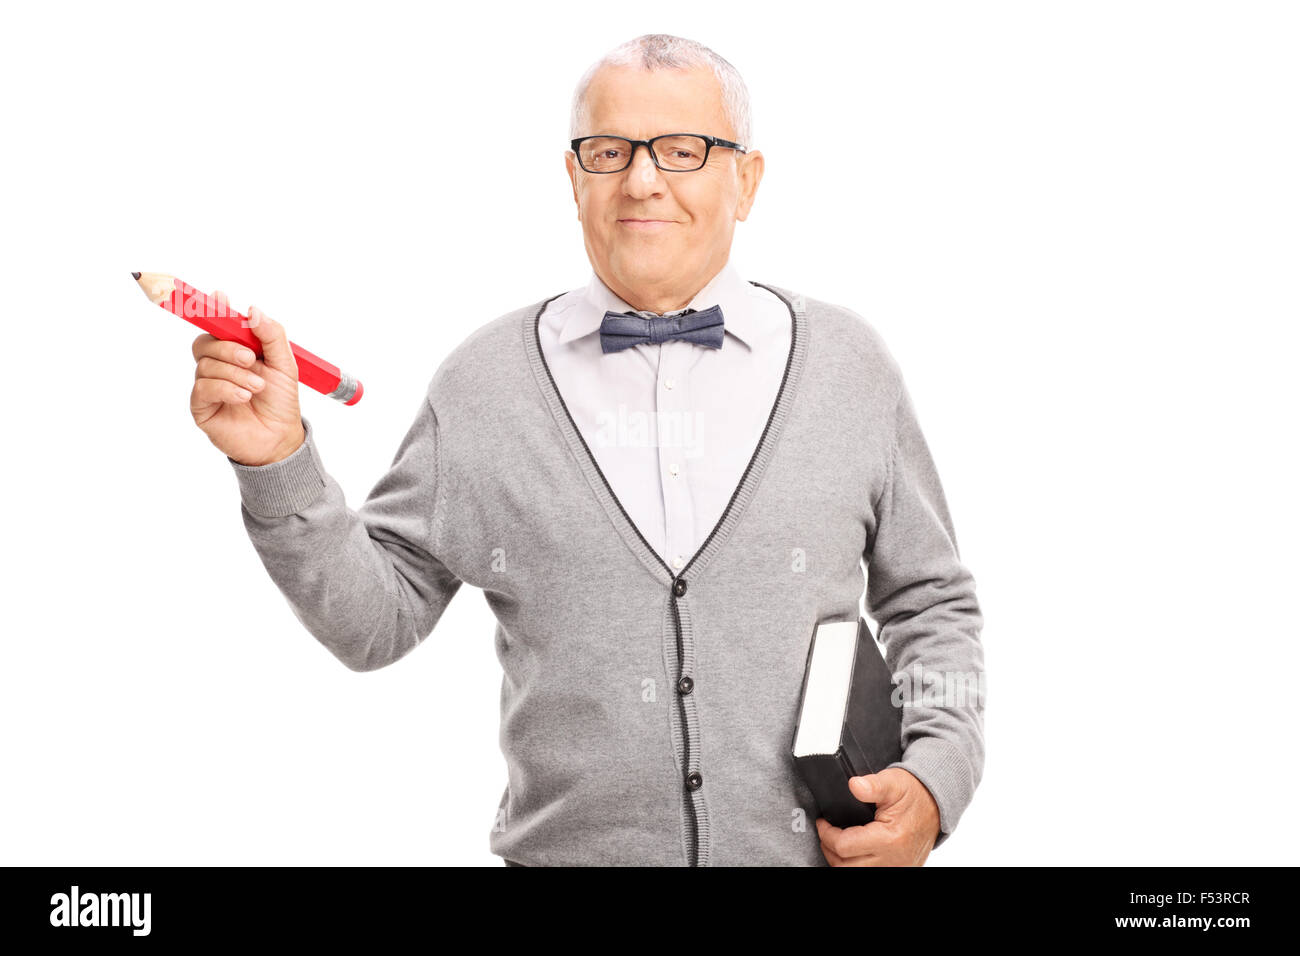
{"type": "Point", "coordinates": [726, 289]}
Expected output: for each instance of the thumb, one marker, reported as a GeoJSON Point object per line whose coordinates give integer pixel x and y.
{"type": "Point", "coordinates": [276, 351]}
{"type": "Point", "coordinates": [875, 788]}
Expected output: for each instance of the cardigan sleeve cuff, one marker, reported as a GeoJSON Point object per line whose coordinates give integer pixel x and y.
{"type": "Point", "coordinates": [946, 773]}
{"type": "Point", "coordinates": [283, 487]}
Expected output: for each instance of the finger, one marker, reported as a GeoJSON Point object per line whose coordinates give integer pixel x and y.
{"type": "Point", "coordinates": [833, 858]}
{"type": "Point", "coordinates": [223, 350]}
{"type": "Point", "coordinates": [209, 367]}
{"type": "Point", "coordinates": [276, 351]}
{"type": "Point", "coordinates": [214, 391]}
{"type": "Point", "coordinates": [828, 849]}
{"type": "Point", "coordinates": [201, 344]}
{"type": "Point", "coordinates": [868, 840]}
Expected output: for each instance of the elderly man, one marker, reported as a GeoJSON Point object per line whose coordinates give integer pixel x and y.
{"type": "Point", "coordinates": [662, 482]}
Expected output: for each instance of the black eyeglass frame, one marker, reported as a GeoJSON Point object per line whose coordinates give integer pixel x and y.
{"type": "Point", "coordinates": [709, 143]}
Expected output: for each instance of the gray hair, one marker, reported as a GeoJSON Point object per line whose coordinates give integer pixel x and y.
{"type": "Point", "coordinates": [661, 51]}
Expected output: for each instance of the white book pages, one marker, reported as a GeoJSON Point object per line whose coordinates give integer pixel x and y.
{"type": "Point", "coordinates": [826, 695]}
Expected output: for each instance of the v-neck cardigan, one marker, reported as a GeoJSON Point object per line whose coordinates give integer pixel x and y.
{"type": "Point", "coordinates": [647, 716]}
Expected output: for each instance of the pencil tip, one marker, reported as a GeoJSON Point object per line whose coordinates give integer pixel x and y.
{"type": "Point", "coordinates": [135, 275]}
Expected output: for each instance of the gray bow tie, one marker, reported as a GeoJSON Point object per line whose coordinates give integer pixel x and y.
{"type": "Point", "coordinates": [622, 330]}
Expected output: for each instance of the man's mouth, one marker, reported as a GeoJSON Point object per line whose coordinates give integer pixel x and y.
{"type": "Point", "coordinates": [645, 223]}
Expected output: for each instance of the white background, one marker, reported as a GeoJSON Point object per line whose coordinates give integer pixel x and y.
{"type": "Point", "coordinates": [1075, 225]}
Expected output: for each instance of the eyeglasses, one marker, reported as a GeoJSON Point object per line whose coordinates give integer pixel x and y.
{"type": "Point", "coordinates": [672, 152]}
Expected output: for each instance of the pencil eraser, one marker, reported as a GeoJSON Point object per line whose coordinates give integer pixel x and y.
{"type": "Point", "coordinates": [357, 396]}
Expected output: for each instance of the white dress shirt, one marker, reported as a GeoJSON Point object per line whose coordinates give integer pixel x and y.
{"type": "Point", "coordinates": [672, 426]}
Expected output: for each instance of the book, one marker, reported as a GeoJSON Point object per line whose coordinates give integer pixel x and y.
{"type": "Point", "coordinates": [847, 724]}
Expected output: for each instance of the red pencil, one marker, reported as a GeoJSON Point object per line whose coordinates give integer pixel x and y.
{"type": "Point", "coordinates": [225, 323]}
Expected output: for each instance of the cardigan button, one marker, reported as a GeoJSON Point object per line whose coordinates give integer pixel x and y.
{"type": "Point", "coordinates": [685, 685]}
{"type": "Point", "coordinates": [679, 587]}
{"type": "Point", "coordinates": [694, 781]}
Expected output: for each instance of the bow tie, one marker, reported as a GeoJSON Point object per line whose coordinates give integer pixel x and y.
{"type": "Point", "coordinates": [622, 330]}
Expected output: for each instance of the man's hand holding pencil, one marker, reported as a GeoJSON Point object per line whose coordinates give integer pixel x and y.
{"type": "Point", "coordinates": [248, 407]}
{"type": "Point", "coordinates": [246, 373]}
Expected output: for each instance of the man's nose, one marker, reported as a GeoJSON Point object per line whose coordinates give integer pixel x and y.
{"type": "Point", "coordinates": [642, 173]}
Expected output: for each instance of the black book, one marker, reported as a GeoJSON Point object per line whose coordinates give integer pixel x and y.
{"type": "Point", "coordinates": [847, 724]}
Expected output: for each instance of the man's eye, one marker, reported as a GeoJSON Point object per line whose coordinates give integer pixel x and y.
{"type": "Point", "coordinates": [686, 154]}
{"type": "Point", "coordinates": [611, 153]}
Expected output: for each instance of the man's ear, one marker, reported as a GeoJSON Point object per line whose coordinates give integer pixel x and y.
{"type": "Point", "coordinates": [750, 173]}
{"type": "Point", "coordinates": [572, 167]}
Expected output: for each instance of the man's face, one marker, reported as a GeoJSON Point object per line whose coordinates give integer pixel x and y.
{"type": "Point", "coordinates": [654, 237]}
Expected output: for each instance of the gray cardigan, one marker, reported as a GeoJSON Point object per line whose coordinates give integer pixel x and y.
{"type": "Point", "coordinates": [646, 715]}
